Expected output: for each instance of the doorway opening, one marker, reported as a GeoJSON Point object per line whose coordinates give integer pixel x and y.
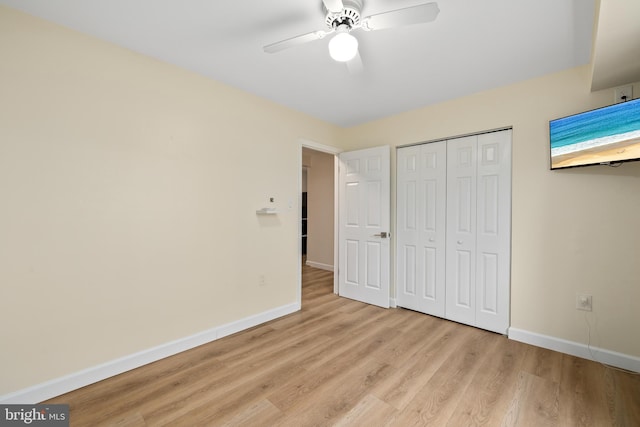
{"type": "Point", "coordinates": [318, 218]}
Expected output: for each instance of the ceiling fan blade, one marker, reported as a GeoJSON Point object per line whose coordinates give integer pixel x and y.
{"type": "Point", "coordinates": [398, 18]}
{"type": "Point", "coordinates": [334, 6]}
{"type": "Point", "coordinates": [355, 66]}
{"type": "Point", "coordinates": [294, 41]}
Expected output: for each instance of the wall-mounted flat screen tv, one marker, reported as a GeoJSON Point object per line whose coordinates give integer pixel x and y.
{"type": "Point", "coordinates": [607, 135]}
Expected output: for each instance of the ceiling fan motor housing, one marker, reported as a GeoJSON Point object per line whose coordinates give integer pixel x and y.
{"type": "Point", "coordinates": [349, 15]}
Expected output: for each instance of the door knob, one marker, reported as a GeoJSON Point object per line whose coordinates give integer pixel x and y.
{"type": "Point", "coordinates": [459, 242]}
{"type": "Point", "coordinates": [383, 234]}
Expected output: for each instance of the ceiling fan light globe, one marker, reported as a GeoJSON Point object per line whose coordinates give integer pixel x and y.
{"type": "Point", "coordinates": [343, 47]}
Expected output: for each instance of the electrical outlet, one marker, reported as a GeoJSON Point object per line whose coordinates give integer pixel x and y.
{"type": "Point", "coordinates": [262, 281]}
{"type": "Point", "coordinates": [584, 302]}
{"type": "Point", "coordinates": [623, 93]}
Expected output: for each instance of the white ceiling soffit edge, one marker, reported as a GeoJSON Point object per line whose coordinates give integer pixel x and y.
{"type": "Point", "coordinates": [616, 51]}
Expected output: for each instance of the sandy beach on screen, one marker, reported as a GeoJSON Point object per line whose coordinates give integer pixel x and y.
{"type": "Point", "coordinates": [607, 153]}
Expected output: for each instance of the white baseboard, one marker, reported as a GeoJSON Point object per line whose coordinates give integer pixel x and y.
{"type": "Point", "coordinates": [393, 303]}
{"type": "Point", "coordinates": [608, 357]}
{"type": "Point", "coordinates": [62, 385]}
{"type": "Point", "coordinates": [320, 265]}
{"type": "Point", "coordinates": [255, 320]}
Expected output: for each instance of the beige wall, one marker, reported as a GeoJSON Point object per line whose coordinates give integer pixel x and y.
{"type": "Point", "coordinates": [574, 231]}
{"type": "Point", "coordinates": [128, 190]}
{"type": "Point", "coordinates": [320, 207]}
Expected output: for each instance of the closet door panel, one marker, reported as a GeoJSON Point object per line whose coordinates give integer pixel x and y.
{"type": "Point", "coordinates": [407, 265]}
{"type": "Point", "coordinates": [421, 228]}
{"type": "Point", "coordinates": [494, 231]}
{"type": "Point", "coordinates": [432, 287]}
{"type": "Point", "coordinates": [461, 229]}
{"type": "Point", "coordinates": [487, 283]}
{"type": "Point", "coordinates": [408, 177]}
{"type": "Point", "coordinates": [433, 209]}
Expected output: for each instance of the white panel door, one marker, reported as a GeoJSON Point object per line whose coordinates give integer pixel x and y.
{"type": "Point", "coordinates": [461, 230]}
{"type": "Point", "coordinates": [493, 234]}
{"type": "Point", "coordinates": [421, 211]}
{"type": "Point", "coordinates": [363, 267]}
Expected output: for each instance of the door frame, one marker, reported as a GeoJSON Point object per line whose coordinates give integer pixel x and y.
{"type": "Point", "coordinates": [334, 151]}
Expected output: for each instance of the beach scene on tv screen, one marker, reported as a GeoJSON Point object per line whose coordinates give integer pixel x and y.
{"type": "Point", "coordinates": [610, 134]}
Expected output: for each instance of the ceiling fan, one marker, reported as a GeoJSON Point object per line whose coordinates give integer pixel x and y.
{"type": "Point", "coordinates": [344, 16]}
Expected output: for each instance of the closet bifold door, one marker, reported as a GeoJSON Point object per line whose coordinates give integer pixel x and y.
{"type": "Point", "coordinates": [453, 229]}
{"type": "Point", "coordinates": [461, 230]}
{"type": "Point", "coordinates": [421, 206]}
{"type": "Point", "coordinates": [493, 242]}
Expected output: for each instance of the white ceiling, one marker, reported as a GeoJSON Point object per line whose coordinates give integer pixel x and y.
{"type": "Point", "coordinates": [471, 46]}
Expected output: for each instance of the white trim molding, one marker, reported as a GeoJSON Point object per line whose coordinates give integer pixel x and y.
{"type": "Point", "coordinates": [319, 147]}
{"type": "Point", "coordinates": [319, 265]}
{"type": "Point", "coordinates": [601, 355]}
{"type": "Point", "coordinates": [62, 385]}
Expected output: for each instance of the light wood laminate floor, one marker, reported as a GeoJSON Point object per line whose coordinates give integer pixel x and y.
{"type": "Point", "coordinates": [339, 362]}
